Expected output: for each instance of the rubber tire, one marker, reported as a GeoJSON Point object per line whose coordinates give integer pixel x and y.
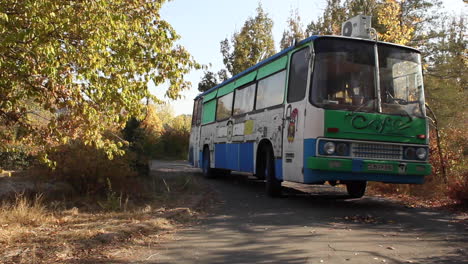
{"type": "Point", "coordinates": [272, 185]}
{"type": "Point", "coordinates": [356, 189]}
{"type": "Point", "coordinates": [208, 172]}
{"type": "Point", "coordinates": [260, 170]}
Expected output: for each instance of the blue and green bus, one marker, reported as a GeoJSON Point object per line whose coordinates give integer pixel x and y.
{"type": "Point", "coordinates": [330, 109]}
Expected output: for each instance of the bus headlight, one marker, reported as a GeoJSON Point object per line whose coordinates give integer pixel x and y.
{"type": "Point", "coordinates": [329, 148]}
{"type": "Point", "coordinates": [342, 149]}
{"type": "Point", "coordinates": [421, 153]}
{"type": "Point", "coordinates": [410, 153]}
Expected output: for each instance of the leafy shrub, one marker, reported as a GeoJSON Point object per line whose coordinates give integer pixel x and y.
{"type": "Point", "coordinates": [455, 150]}
{"type": "Point", "coordinates": [88, 169]}
{"type": "Point", "coordinates": [16, 158]}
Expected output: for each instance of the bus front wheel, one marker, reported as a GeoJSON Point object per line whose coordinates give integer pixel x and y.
{"type": "Point", "coordinates": [356, 189]}
{"type": "Point", "coordinates": [208, 172]}
{"type": "Point", "coordinates": [273, 185]}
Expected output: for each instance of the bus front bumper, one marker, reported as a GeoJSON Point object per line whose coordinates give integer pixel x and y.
{"type": "Point", "coordinates": [325, 169]}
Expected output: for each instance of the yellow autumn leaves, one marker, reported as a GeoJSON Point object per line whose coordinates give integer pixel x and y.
{"type": "Point", "coordinates": [391, 17]}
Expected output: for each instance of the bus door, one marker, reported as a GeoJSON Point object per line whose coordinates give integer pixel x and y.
{"type": "Point", "coordinates": [294, 116]}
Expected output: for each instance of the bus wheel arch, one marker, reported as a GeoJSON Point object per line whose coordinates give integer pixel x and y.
{"type": "Point", "coordinates": [208, 172]}
{"type": "Point", "coordinates": [266, 168]}
{"type": "Point", "coordinates": [263, 146]}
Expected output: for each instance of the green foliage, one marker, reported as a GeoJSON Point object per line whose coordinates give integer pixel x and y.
{"type": "Point", "coordinates": [447, 73]}
{"type": "Point", "coordinates": [404, 22]}
{"type": "Point", "coordinates": [252, 44]}
{"type": "Point", "coordinates": [211, 79]}
{"type": "Point", "coordinates": [114, 201]}
{"type": "Point", "coordinates": [159, 136]}
{"type": "Point", "coordinates": [174, 141]}
{"type": "Point", "coordinates": [294, 32]}
{"type": "Point", "coordinates": [208, 81]}
{"type": "Point", "coordinates": [84, 66]}
{"type": "Point", "coordinates": [15, 158]}
{"type": "Point", "coordinates": [87, 169]}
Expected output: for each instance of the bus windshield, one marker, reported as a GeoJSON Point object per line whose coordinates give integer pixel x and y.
{"type": "Point", "coordinates": [344, 77]}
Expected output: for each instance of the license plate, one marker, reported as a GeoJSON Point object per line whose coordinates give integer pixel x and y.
{"type": "Point", "coordinates": [380, 167]}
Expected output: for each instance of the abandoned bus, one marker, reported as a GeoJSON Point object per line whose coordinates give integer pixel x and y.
{"type": "Point", "coordinates": [330, 109]}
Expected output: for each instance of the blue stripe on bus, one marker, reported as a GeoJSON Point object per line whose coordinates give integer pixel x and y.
{"type": "Point", "coordinates": [235, 156]}
{"type": "Point", "coordinates": [279, 169]}
{"type": "Point", "coordinates": [246, 157]}
{"type": "Point", "coordinates": [358, 165]}
{"type": "Point", "coordinates": [200, 159]}
{"type": "Point", "coordinates": [309, 148]}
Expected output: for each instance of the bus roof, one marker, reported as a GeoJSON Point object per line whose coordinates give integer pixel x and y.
{"type": "Point", "coordinates": [285, 51]}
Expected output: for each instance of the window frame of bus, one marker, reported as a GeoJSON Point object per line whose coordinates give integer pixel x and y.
{"type": "Point", "coordinates": [311, 96]}
{"type": "Point", "coordinates": [199, 112]}
{"type": "Point", "coordinates": [257, 89]}
{"type": "Point", "coordinates": [246, 86]}
{"type": "Point", "coordinates": [304, 92]}
{"type": "Point", "coordinates": [195, 112]}
{"type": "Point", "coordinates": [217, 103]}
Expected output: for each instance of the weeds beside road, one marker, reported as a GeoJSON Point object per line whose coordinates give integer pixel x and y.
{"type": "Point", "coordinates": [91, 230]}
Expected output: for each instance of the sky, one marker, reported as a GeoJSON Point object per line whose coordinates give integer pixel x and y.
{"type": "Point", "coordinates": [203, 24]}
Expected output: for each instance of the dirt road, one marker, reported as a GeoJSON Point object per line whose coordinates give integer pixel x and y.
{"type": "Point", "coordinates": [312, 224]}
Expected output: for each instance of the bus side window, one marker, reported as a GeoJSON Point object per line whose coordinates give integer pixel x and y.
{"type": "Point", "coordinates": [195, 113]}
{"type": "Point", "coordinates": [298, 75]}
{"type": "Point", "coordinates": [244, 100]}
{"type": "Point", "coordinates": [199, 112]}
{"type": "Point", "coordinates": [270, 91]}
{"type": "Point", "coordinates": [224, 107]}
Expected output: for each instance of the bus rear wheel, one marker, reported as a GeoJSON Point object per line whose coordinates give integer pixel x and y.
{"type": "Point", "coordinates": [208, 172]}
{"type": "Point", "coordinates": [273, 185]}
{"type": "Point", "coordinates": [356, 189]}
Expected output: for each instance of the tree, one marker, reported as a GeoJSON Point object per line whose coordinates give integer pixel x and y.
{"type": "Point", "coordinates": [330, 22]}
{"type": "Point", "coordinates": [252, 44]}
{"type": "Point", "coordinates": [294, 32]}
{"type": "Point", "coordinates": [446, 77]}
{"type": "Point", "coordinates": [85, 64]}
{"type": "Point", "coordinates": [390, 17]}
{"type": "Point", "coordinates": [211, 79]}
{"type": "Point", "coordinates": [208, 81]}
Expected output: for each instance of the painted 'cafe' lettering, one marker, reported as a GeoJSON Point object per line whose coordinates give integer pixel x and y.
{"type": "Point", "coordinates": [387, 124]}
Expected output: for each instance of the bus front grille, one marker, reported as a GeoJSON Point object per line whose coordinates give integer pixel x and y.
{"type": "Point", "coordinates": [377, 151]}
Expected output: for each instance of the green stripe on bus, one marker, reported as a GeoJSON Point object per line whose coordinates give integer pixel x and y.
{"type": "Point", "coordinates": [209, 112]}
{"type": "Point", "coordinates": [272, 67]}
{"type": "Point", "coordinates": [346, 165]}
{"type": "Point", "coordinates": [210, 96]}
{"type": "Point", "coordinates": [226, 89]}
{"type": "Point", "coordinates": [246, 79]}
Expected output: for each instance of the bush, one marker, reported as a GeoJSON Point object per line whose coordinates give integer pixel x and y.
{"type": "Point", "coordinates": [89, 169]}
{"type": "Point", "coordinates": [15, 158]}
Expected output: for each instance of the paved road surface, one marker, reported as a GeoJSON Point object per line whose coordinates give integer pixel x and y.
{"type": "Point", "coordinates": [312, 224]}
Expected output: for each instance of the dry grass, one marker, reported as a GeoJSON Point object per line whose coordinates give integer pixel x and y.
{"type": "Point", "coordinates": [34, 231]}
{"type": "Point", "coordinates": [24, 212]}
